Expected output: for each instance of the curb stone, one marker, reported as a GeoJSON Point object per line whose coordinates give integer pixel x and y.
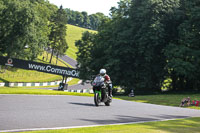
{"type": "Point", "coordinates": [81, 91]}
{"type": "Point", "coordinates": [22, 84]}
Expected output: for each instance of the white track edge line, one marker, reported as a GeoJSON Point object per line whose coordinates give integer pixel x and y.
{"type": "Point", "coordinates": [59, 128]}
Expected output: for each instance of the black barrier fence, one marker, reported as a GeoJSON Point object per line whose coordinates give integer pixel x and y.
{"type": "Point", "coordinates": [41, 67]}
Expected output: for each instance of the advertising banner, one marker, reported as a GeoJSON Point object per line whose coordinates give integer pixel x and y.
{"type": "Point", "coordinates": [41, 67]}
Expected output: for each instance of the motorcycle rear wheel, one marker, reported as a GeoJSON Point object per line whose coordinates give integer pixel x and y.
{"type": "Point", "coordinates": [107, 103]}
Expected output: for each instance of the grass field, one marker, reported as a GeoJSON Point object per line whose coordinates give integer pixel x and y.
{"type": "Point", "coordinates": [74, 33]}
{"type": "Point", "coordinates": [25, 90]}
{"type": "Point", "coordinates": [190, 125]}
{"type": "Point", "coordinates": [163, 99]}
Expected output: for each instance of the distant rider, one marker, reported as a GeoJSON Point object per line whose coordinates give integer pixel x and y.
{"type": "Point", "coordinates": [107, 81]}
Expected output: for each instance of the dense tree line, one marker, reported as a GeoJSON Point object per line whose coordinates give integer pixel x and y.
{"type": "Point", "coordinates": [147, 45]}
{"type": "Point", "coordinates": [27, 27]}
{"type": "Point", "coordinates": [82, 19]}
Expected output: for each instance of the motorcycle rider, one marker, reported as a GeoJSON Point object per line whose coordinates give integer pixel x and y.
{"type": "Point", "coordinates": [107, 81]}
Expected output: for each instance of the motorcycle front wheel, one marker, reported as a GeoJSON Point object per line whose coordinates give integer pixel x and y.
{"type": "Point", "coordinates": [97, 99]}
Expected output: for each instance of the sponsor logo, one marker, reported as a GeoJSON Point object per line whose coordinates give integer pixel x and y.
{"type": "Point", "coordinates": [9, 62]}
{"type": "Point", "coordinates": [51, 69]}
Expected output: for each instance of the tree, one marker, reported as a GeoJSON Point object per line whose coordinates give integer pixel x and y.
{"type": "Point", "coordinates": [96, 20]}
{"type": "Point", "coordinates": [22, 25]}
{"type": "Point", "coordinates": [86, 20]}
{"type": "Point", "coordinates": [183, 52]}
{"type": "Point", "coordinates": [99, 49]}
{"type": "Point", "coordinates": [2, 6]}
{"type": "Point", "coordinates": [148, 42]}
{"type": "Point", "coordinates": [57, 36]}
{"type": "Point", "coordinates": [85, 46]}
{"type": "Point", "coordinates": [143, 52]}
{"type": "Point", "coordinates": [82, 19]}
{"type": "Point", "coordinates": [94, 23]}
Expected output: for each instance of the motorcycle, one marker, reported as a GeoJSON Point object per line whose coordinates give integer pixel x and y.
{"type": "Point", "coordinates": [101, 91]}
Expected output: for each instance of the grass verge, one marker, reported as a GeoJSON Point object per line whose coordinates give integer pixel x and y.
{"type": "Point", "coordinates": [171, 126]}
{"type": "Point", "coordinates": [74, 81]}
{"type": "Point", "coordinates": [17, 90]}
{"type": "Point", "coordinates": [163, 99]}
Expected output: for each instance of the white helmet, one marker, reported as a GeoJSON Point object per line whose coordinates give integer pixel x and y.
{"type": "Point", "coordinates": [103, 71]}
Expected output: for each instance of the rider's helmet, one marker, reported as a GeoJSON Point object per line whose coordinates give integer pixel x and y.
{"type": "Point", "coordinates": [102, 72]}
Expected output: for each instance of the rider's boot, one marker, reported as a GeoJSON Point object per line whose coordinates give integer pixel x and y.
{"type": "Point", "coordinates": [110, 92]}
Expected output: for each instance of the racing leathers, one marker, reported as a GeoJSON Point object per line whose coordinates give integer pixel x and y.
{"type": "Point", "coordinates": [109, 84]}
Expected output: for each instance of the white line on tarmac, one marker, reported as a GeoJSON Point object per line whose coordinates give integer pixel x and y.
{"type": "Point", "coordinates": [59, 128]}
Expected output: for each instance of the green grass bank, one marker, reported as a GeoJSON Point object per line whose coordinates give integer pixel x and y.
{"type": "Point", "coordinates": [74, 33]}
{"type": "Point", "coordinates": [19, 75]}
{"type": "Point", "coordinates": [163, 99]}
{"type": "Point", "coordinates": [189, 125]}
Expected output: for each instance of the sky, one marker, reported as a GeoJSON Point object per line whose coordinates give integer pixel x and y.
{"type": "Point", "coordinates": [90, 6]}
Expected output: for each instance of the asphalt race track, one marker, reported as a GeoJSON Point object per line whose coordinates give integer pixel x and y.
{"type": "Point", "coordinates": [68, 60]}
{"type": "Point", "coordinates": [29, 112]}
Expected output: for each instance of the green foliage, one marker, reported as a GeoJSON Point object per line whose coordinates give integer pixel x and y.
{"type": "Point", "coordinates": [137, 51]}
{"type": "Point", "coordinates": [147, 43]}
{"type": "Point", "coordinates": [82, 19]}
{"type": "Point", "coordinates": [57, 35]}
{"type": "Point", "coordinates": [74, 33]}
{"type": "Point", "coordinates": [183, 52]}
{"type": "Point", "coordinates": [131, 57]}
{"type": "Point", "coordinates": [23, 24]}
{"type": "Point", "coordinates": [84, 53]}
